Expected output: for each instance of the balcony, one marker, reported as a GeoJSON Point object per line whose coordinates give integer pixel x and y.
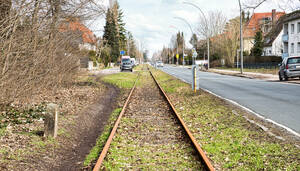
{"type": "Point", "coordinates": [284, 55]}
{"type": "Point", "coordinates": [285, 38]}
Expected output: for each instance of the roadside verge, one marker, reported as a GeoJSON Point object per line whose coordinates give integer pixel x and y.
{"type": "Point", "coordinates": [229, 139]}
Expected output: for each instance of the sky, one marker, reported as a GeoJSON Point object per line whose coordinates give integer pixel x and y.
{"type": "Point", "coordinates": [152, 22]}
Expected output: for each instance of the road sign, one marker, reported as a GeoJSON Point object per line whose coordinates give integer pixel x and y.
{"type": "Point", "coordinates": [177, 56]}
{"type": "Point", "coordinates": [195, 54]}
{"type": "Point", "coordinates": [122, 52]}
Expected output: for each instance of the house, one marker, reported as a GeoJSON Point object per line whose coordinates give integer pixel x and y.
{"type": "Point", "coordinates": [86, 39]}
{"type": "Point", "coordinates": [273, 45]}
{"type": "Point", "coordinates": [259, 21]}
{"type": "Point", "coordinates": [291, 35]}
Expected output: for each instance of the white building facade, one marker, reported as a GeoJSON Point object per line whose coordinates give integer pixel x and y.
{"type": "Point", "coordinates": [291, 38]}
{"type": "Point", "coordinates": [276, 48]}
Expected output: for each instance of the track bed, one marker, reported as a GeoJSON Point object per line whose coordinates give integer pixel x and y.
{"type": "Point", "coordinates": [149, 136]}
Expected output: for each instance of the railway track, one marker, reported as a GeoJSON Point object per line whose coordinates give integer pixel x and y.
{"type": "Point", "coordinates": [150, 134]}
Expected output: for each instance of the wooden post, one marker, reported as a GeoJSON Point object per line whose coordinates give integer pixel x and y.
{"type": "Point", "coordinates": [51, 121]}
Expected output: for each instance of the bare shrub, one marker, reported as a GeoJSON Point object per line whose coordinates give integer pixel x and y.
{"type": "Point", "coordinates": [34, 54]}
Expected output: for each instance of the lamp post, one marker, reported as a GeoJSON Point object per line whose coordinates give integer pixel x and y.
{"type": "Point", "coordinates": [207, 34]}
{"type": "Point", "coordinates": [186, 22]}
{"type": "Point", "coordinates": [241, 38]}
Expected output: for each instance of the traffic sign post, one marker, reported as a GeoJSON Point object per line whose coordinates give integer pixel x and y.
{"type": "Point", "coordinates": [177, 57]}
{"type": "Point", "coordinates": [195, 54]}
{"type": "Point", "coordinates": [195, 71]}
{"type": "Point", "coordinates": [195, 83]}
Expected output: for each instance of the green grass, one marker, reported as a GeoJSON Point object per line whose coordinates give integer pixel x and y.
{"type": "Point", "coordinates": [121, 80]}
{"type": "Point", "coordinates": [2, 131]}
{"type": "Point", "coordinates": [261, 70]}
{"type": "Point", "coordinates": [95, 151]}
{"type": "Point", "coordinates": [229, 140]}
{"type": "Point", "coordinates": [42, 144]}
{"type": "Point", "coordinates": [138, 144]}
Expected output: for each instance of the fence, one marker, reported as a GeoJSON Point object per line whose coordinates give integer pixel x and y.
{"type": "Point", "coordinates": [268, 65]}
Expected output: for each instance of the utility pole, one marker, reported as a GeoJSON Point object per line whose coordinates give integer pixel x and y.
{"type": "Point", "coordinates": [183, 62]}
{"type": "Point", "coordinates": [241, 37]}
{"type": "Point", "coordinates": [207, 52]}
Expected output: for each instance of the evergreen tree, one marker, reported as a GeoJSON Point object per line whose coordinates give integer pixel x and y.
{"type": "Point", "coordinates": [111, 35]}
{"type": "Point", "coordinates": [258, 44]}
{"type": "Point", "coordinates": [121, 27]}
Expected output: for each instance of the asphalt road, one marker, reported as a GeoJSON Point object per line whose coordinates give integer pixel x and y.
{"type": "Point", "coordinates": [277, 101]}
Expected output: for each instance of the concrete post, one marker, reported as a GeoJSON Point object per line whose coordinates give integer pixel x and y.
{"type": "Point", "coordinates": [51, 121]}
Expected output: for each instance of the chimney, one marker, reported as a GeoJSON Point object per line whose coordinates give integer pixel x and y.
{"type": "Point", "coordinates": [273, 16]}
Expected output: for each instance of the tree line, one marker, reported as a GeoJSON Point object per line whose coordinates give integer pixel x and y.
{"type": "Point", "coordinates": [223, 36]}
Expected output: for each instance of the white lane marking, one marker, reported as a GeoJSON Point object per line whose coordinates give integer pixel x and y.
{"type": "Point", "coordinates": [247, 109]}
{"type": "Point", "coordinates": [256, 114]}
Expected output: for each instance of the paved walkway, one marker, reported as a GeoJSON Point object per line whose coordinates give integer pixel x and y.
{"type": "Point", "coordinates": [253, 75]}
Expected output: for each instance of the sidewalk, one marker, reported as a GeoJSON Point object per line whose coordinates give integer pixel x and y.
{"type": "Point", "coordinates": [253, 75]}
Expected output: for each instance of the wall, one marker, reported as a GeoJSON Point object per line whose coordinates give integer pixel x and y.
{"type": "Point", "coordinates": [294, 38]}
{"type": "Point", "coordinates": [276, 48]}
{"type": "Point", "coordinates": [248, 44]}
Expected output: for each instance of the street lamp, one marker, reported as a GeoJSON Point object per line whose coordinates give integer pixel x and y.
{"type": "Point", "coordinates": [207, 34]}
{"type": "Point", "coordinates": [182, 19]}
{"type": "Point", "coordinates": [241, 38]}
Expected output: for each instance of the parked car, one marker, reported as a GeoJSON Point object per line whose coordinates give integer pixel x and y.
{"type": "Point", "coordinates": [289, 68]}
{"type": "Point", "coordinates": [126, 64]}
{"type": "Point", "coordinates": [159, 64]}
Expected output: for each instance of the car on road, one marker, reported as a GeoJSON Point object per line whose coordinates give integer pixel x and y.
{"type": "Point", "coordinates": [289, 68]}
{"type": "Point", "coordinates": [126, 64]}
{"type": "Point", "coordinates": [159, 64]}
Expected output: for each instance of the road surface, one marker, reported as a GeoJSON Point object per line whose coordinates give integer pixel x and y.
{"type": "Point", "coordinates": [277, 101]}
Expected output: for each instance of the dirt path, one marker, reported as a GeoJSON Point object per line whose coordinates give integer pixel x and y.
{"type": "Point", "coordinates": [149, 136]}
{"type": "Point", "coordinates": [88, 127]}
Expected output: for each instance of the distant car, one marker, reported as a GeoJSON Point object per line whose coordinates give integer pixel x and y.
{"type": "Point", "coordinates": [289, 68]}
{"type": "Point", "coordinates": [159, 64]}
{"type": "Point", "coordinates": [126, 64]}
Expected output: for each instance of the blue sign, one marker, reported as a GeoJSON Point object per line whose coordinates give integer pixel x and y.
{"type": "Point", "coordinates": [122, 52]}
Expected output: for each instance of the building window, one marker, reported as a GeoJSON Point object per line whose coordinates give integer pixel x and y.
{"type": "Point", "coordinates": [298, 47]}
{"type": "Point", "coordinates": [292, 48]}
{"type": "Point", "coordinates": [298, 27]}
{"type": "Point", "coordinates": [292, 28]}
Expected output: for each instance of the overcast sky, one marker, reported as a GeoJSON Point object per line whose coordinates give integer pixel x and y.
{"type": "Point", "coordinates": [152, 22]}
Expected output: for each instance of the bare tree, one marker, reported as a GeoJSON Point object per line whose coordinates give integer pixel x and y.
{"type": "Point", "coordinates": [36, 54]}
{"type": "Point", "coordinates": [212, 25]}
{"type": "Point", "coordinates": [289, 5]}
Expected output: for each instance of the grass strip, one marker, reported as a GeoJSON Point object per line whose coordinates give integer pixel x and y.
{"type": "Point", "coordinates": [95, 151]}
{"type": "Point", "coordinates": [121, 80]}
{"type": "Point", "coordinates": [259, 70]}
{"type": "Point", "coordinates": [231, 142]}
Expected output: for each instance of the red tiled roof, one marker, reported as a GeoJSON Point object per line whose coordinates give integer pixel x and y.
{"type": "Point", "coordinates": [87, 35]}
{"type": "Point", "coordinates": [253, 25]}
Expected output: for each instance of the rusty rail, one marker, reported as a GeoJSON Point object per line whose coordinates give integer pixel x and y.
{"type": "Point", "coordinates": [201, 153]}
{"type": "Point", "coordinates": [113, 132]}
{"type": "Point", "coordinates": [203, 156]}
